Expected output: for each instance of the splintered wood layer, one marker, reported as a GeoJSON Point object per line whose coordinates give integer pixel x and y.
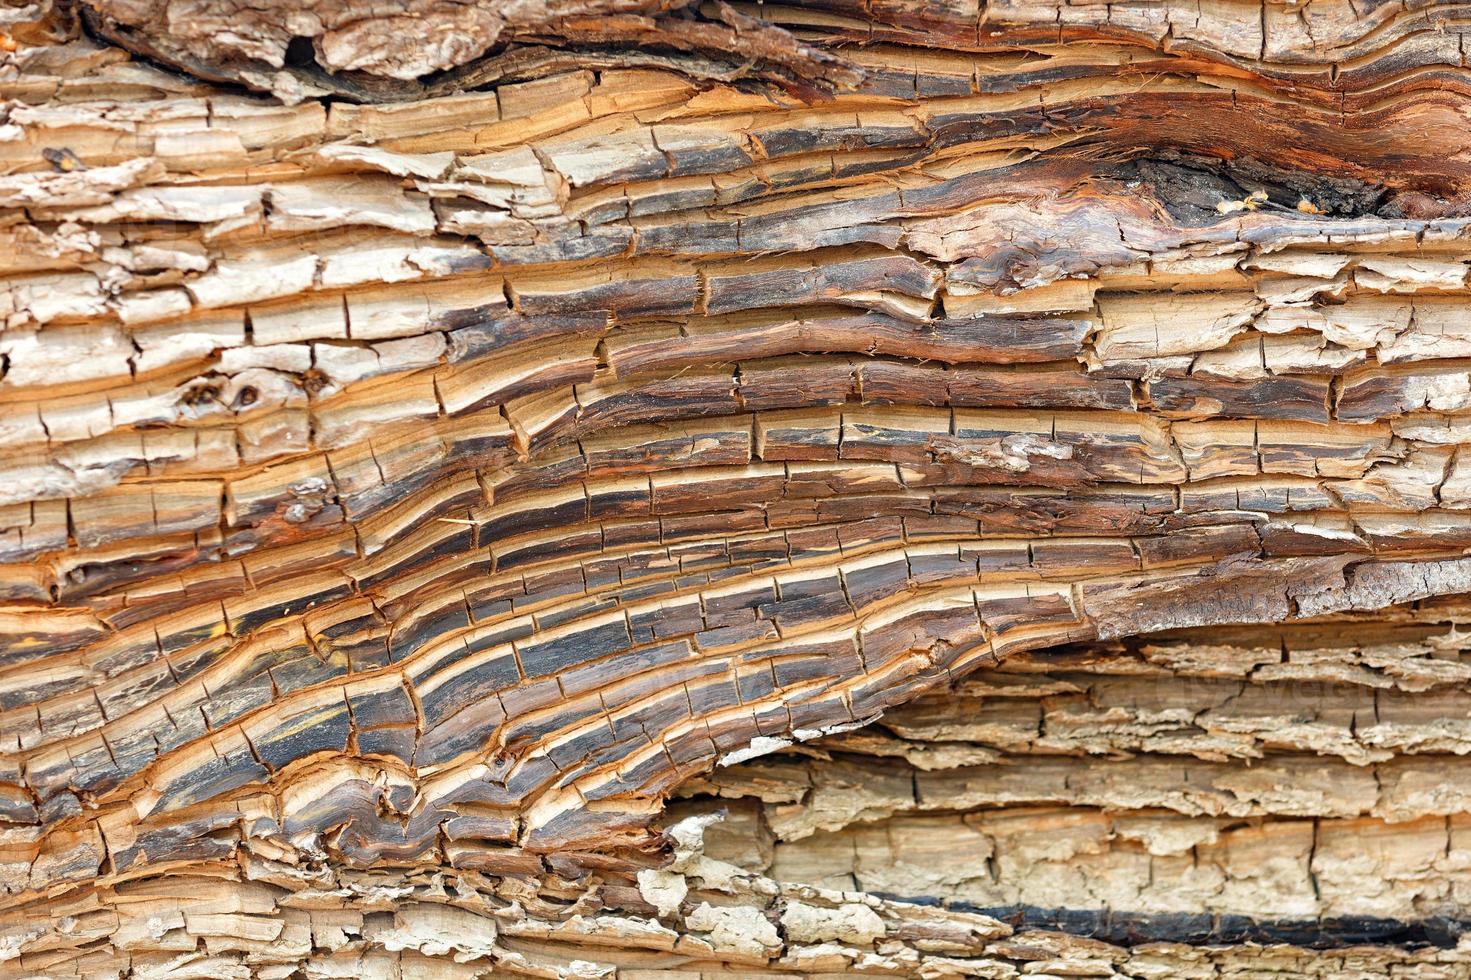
{"type": "Point", "coordinates": [398, 502]}
{"type": "Point", "coordinates": [434, 47]}
{"type": "Point", "coordinates": [467, 472]}
{"type": "Point", "coordinates": [1197, 853]}
{"type": "Point", "coordinates": [1300, 781]}
{"type": "Point", "coordinates": [1330, 870]}
{"type": "Point", "coordinates": [699, 917]}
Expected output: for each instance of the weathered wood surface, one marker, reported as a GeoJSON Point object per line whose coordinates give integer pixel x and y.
{"type": "Point", "coordinates": [1207, 783]}
{"type": "Point", "coordinates": [429, 439]}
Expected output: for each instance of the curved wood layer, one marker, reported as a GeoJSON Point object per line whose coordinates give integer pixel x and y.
{"type": "Point", "coordinates": [432, 487]}
{"type": "Point", "coordinates": [1299, 783]}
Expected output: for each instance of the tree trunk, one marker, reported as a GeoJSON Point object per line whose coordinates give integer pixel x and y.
{"type": "Point", "coordinates": [628, 488]}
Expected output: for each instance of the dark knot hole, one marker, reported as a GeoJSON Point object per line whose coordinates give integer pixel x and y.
{"type": "Point", "coordinates": [301, 52]}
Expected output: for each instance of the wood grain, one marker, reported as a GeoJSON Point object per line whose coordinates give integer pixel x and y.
{"type": "Point", "coordinates": [432, 439]}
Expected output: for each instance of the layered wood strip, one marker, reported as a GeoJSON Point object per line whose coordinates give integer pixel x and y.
{"type": "Point", "coordinates": [1285, 783]}
{"type": "Point", "coordinates": [410, 478]}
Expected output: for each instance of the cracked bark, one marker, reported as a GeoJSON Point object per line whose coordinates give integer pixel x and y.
{"type": "Point", "coordinates": [592, 489]}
